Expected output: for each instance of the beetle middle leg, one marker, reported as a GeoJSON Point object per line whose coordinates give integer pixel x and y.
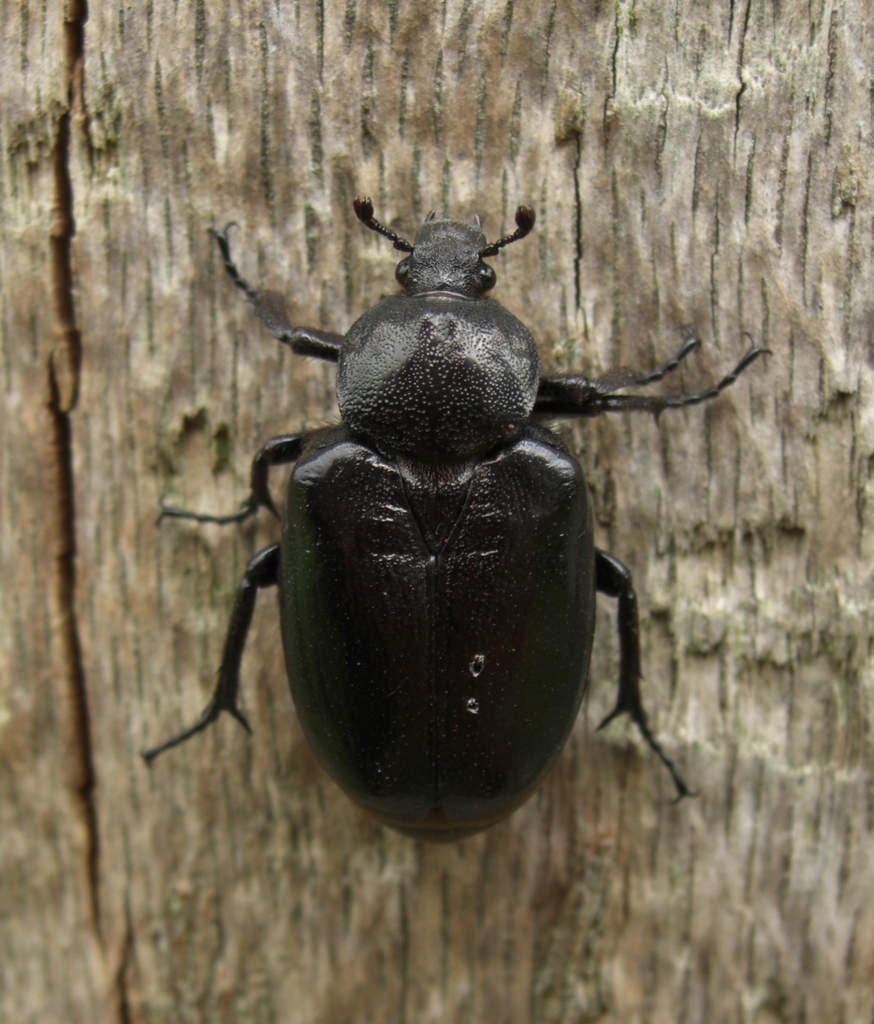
{"type": "Point", "coordinates": [278, 451]}
{"type": "Point", "coordinates": [614, 579]}
{"type": "Point", "coordinates": [262, 571]}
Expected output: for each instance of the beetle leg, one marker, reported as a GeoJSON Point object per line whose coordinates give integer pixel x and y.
{"type": "Point", "coordinates": [576, 395]}
{"type": "Point", "coordinates": [624, 377]}
{"type": "Point", "coordinates": [277, 451]}
{"type": "Point", "coordinates": [574, 387]}
{"type": "Point", "coordinates": [262, 571]}
{"type": "Point", "coordinates": [270, 309]}
{"type": "Point", "coordinates": [614, 579]}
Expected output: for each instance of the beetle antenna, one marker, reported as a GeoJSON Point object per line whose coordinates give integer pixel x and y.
{"type": "Point", "coordinates": [525, 218]}
{"type": "Point", "coordinates": [364, 212]}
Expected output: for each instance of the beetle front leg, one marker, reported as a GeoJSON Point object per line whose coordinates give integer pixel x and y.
{"type": "Point", "coordinates": [614, 579]}
{"type": "Point", "coordinates": [576, 395]}
{"type": "Point", "coordinates": [269, 307]}
{"type": "Point", "coordinates": [262, 571]}
{"type": "Point", "coordinates": [277, 451]}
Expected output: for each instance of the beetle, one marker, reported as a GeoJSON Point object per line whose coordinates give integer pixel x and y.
{"type": "Point", "coordinates": [437, 569]}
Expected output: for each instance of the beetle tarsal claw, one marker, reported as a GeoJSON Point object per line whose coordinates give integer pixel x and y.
{"type": "Point", "coordinates": [207, 717]}
{"type": "Point", "coordinates": [638, 716]}
{"type": "Point", "coordinates": [615, 713]}
{"type": "Point", "coordinates": [240, 717]}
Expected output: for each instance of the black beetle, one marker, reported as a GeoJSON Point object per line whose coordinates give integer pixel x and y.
{"type": "Point", "coordinates": [437, 570]}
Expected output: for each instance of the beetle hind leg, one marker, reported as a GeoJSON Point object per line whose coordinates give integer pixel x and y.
{"type": "Point", "coordinates": [262, 571]}
{"type": "Point", "coordinates": [614, 579]}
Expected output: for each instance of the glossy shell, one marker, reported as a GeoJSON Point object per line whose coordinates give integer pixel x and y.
{"type": "Point", "coordinates": [437, 624]}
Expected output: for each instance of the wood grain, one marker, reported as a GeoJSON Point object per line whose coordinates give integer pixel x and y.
{"type": "Point", "coordinates": [689, 163]}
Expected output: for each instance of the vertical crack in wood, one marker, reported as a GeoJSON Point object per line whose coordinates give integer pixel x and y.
{"type": "Point", "coordinates": [832, 47]}
{"type": "Point", "coordinates": [740, 71]}
{"type": "Point", "coordinates": [404, 952]}
{"type": "Point", "coordinates": [63, 389]}
{"type": "Point", "coordinates": [123, 1010]}
{"type": "Point", "coordinates": [266, 115]}
{"type": "Point", "coordinates": [578, 224]}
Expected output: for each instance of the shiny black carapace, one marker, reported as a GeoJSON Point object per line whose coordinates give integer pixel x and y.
{"type": "Point", "coordinates": [437, 570]}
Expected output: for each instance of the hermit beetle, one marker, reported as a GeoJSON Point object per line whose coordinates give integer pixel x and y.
{"type": "Point", "coordinates": [437, 570]}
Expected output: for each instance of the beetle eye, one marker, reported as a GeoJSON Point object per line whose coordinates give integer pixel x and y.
{"type": "Point", "coordinates": [402, 272]}
{"type": "Point", "coordinates": [487, 277]}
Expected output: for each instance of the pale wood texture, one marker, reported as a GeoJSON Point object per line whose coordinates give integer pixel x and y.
{"type": "Point", "coordinates": [690, 162]}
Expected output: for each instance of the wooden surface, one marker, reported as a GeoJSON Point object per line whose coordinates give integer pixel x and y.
{"type": "Point", "coordinates": [689, 163]}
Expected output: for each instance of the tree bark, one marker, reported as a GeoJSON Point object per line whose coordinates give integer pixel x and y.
{"type": "Point", "coordinates": [689, 163]}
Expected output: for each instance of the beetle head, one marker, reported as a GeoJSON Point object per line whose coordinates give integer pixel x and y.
{"type": "Point", "coordinates": [447, 255]}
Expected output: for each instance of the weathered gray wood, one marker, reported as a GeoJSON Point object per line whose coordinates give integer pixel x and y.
{"type": "Point", "coordinates": [689, 163]}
